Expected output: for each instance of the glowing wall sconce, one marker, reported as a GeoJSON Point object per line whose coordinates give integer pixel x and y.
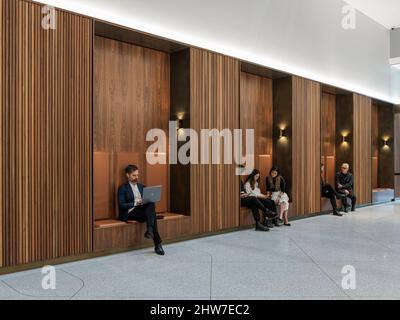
{"type": "Point", "coordinates": [345, 135]}
{"type": "Point", "coordinates": [385, 143]}
{"type": "Point", "coordinates": [283, 132]}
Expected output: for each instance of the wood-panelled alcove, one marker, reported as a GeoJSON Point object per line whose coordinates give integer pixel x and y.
{"type": "Point", "coordinates": [273, 101]}
{"type": "Point", "coordinates": [346, 134]}
{"type": "Point", "coordinates": [382, 135]}
{"type": "Point", "coordinates": [256, 112]}
{"type": "Point", "coordinates": [46, 135]}
{"type": "Point", "coordinates": [132, 95]}
{"type": "Point", "coordinates": [199, 88]}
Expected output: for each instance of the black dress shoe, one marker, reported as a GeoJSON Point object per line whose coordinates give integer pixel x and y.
{"type": "Point", "coordinates": [337, 214]}
{"type": "Point", "coordinates": [353, 209]}
{"type": "Point", "coordinates": [159, 250]}
{"type": "Point", "coordinates": [260, 227]}
{"type": "Point", "coordinates": [149, 235]}
{"type": "Point", "coordinates": [287, 224]}
{"type": "Point", "coordinates": [346, 209]}
{"type": "Point", "coordinates": [268, 223]}
{"type": "Point", "coordinates": [270, 215]}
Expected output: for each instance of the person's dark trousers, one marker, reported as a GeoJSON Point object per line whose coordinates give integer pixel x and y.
{"type": "Point", "coordinates": [147, 213]}
{"type": "Point", "coordinates": [269, 204]}
{"type": "Point", "coordinates": [353, 199]}
{"type": "Point", "coordinates": [252, 204]}
{"type": "Point", "coordinates": [329, 193]}
{"type": "Point", "coordinates": [255, 205]}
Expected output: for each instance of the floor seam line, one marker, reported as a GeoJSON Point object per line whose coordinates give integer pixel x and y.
{"type": "Point", "coordinates": [320, 268]}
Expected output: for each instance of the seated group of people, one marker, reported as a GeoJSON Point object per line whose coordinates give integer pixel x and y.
{"type": "Point", "coordinates": [251, 196]}
{"type": "Point", "coordinates": [131, 206]}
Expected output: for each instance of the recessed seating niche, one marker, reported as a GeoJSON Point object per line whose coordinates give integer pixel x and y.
{"type": "Point", "coordinates": [139, 84]}
{"type": "Point", "coordinates": [336, 134]}
{"type": "Point", "coordinates": [265, 97]}
{"type": "Point", "coordinates": [382, 135]}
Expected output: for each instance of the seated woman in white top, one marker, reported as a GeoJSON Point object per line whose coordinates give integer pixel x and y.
{"type": "Point", "coordinates": [277, 186]}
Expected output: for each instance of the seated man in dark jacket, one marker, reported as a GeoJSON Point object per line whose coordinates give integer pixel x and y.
{"type": "Point", "coordinates": [328, 192]}
{"type": "Point", "coordinates": [255, 205]}
{"type": "Point", "coordinates": [344, 186]}
{"type": "Point", "coordinates": [131, 207]}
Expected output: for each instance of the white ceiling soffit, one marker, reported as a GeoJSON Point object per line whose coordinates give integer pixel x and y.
{"type": "Point", "coordinates": [123, 15]}
{"type": "Point", "coordinates": [385, 12]}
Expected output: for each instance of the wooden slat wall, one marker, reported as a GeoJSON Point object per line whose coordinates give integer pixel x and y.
{"type": "Point", "coordinates": [214, 104]}
{"type": "Point", "coordinates": [362, 148]}
{"type": "Point", "coordinates": [46, 135]}
{"type": "Point", "coordinates": [256, 113]}
{"type": "Point", "coordinates": [328, 132]}
{"type": "Point", "coordinates": [306, 150]}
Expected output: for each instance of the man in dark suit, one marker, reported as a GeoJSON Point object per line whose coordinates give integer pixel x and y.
{"type": "Point", "coordinates": [131, 207]}
{"type": "Point", "coordinates": [344, 186]}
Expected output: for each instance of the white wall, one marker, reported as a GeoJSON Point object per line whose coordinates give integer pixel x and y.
{"type": "Point", "coordinates": [395, 43]}
{"type": "Point", "coordinates": [303, 37]}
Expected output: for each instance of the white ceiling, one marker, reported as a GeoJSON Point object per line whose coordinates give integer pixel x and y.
{"type": "Point", "coordinates": [385, 12]}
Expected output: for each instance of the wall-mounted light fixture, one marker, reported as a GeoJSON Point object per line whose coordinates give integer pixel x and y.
{"type": "Point", "coordinates": [385, 143]}
{"type": "Point", "coordinates": [283, 135]}
{"type": "Point", "coordinates": [345, 135]}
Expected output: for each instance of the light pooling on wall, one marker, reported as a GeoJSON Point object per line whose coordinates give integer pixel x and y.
{"type": "Point", "coordinates": [304, 38]}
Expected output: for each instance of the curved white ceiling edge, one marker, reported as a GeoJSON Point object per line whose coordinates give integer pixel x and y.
{"type": "Point", "coordinates": [90, 11]}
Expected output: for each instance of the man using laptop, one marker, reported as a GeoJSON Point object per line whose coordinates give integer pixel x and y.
{"type": "Point", "coordinates": [131, 206]}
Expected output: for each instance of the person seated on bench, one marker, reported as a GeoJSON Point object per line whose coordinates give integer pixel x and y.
{"type": "Point", "coordinates": [344, 186]}
{"type": "Point", "coordinates": [328, 192]}
{"type": "Point", "coordinates": [255, 205]}
{"type": "Point", "coordinates": [131, 207]}
{"type": "Point", "coordinates": [277, 186]}
{"type": "Point", "coordinates": [252, 190]}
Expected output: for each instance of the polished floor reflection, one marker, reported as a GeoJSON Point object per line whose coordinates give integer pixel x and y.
{"type": "Point", "coordinates": [302, 262]}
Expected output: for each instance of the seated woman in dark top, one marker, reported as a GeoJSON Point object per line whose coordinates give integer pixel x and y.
{"type": "Point", "coordinates": [276, 185]}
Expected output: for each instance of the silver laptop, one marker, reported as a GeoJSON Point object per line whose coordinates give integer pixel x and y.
{"type": "Point", "coordinates": [152, 194]}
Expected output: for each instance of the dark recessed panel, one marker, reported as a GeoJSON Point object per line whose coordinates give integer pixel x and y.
{"type": "Point", "coordinates": [142, 39]}
{"type": "Point", "coordinates": [262, 71]}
